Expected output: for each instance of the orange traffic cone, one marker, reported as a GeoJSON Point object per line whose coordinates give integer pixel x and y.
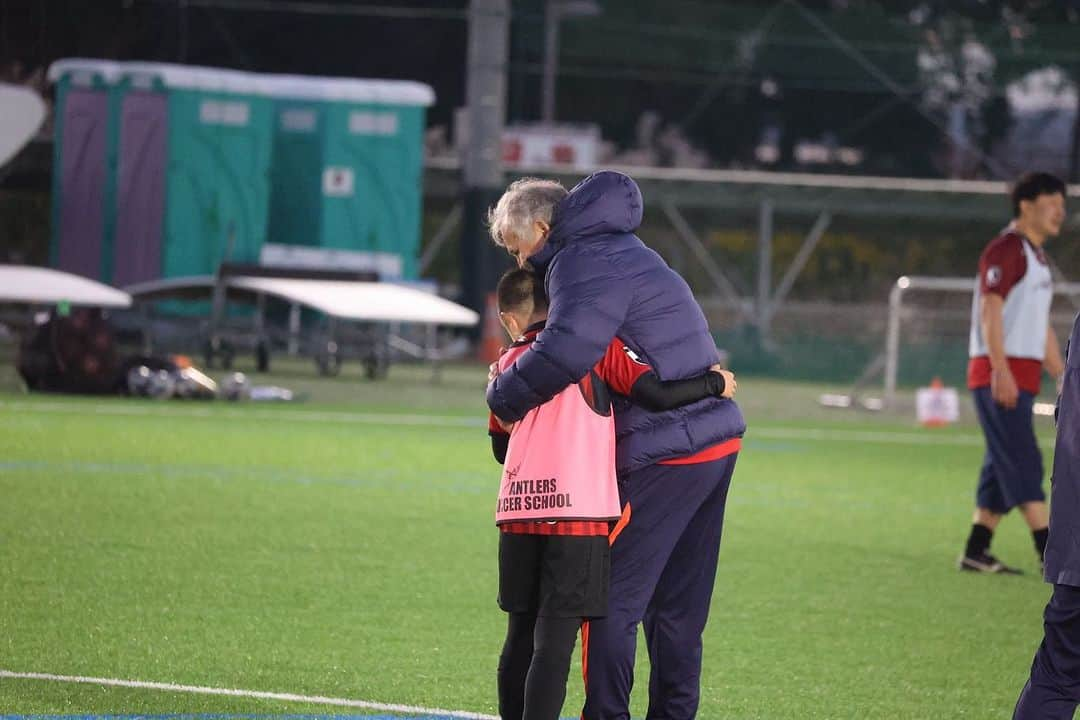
{"type": "Point", "coordinates": [494, 337]}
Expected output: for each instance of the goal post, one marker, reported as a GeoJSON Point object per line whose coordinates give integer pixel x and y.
{"type": "Point", "coordinates": [947, 294]}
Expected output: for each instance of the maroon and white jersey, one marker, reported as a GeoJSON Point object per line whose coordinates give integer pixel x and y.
{"type": "Point", "coordinates": [1016, 270]}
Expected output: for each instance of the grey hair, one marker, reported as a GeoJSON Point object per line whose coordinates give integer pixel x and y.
{"type": "Point", "coordinates": [524, 202]}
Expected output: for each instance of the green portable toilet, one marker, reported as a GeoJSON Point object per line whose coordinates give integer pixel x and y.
{"type": "Point", "coordinates": [175, 159]}
{"type": "Point", "coordinates": [168, 170]}
{"type": "Point", "coordinates": [347, 169]}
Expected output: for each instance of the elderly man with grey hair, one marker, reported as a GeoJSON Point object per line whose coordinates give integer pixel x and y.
{"type": "Point", "coordinates": [674, 467]}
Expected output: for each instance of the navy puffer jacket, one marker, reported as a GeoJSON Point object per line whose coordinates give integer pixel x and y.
{"type": "Point", "coordinates": [1062, 565]}
{"type": "Point", "coordinates": [602, 282]}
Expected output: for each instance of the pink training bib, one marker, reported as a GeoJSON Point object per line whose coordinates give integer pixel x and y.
{"type": "Point", "coordinates": [560, 464]}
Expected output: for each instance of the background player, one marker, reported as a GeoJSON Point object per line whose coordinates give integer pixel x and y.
{"type": "Point", "coordinates": [1011, 339]}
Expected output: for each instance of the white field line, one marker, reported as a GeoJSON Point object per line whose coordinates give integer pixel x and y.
{"type": "Point", "coordinates": [888, 437]}
{"type": "Point", "coordinates": [287, 697]}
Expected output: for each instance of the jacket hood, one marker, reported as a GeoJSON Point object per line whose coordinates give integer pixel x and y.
{"type": "Point", "coordinates": [605, 202]}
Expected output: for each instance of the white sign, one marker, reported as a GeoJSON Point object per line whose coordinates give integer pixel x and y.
{"type": "Point", "coordinates": [937, 405]}
{"type": "Point", "coordinates": [220, 112]}
{"type": "Point", "coordinates": [338, 181]}
{"type": "Point", "coordinates": [373, 123]}
{"type": "Point", "coordinates": [298, 120]}
{"type": "Point", "coordinates": [142, 81]}
{"type": "Point", "coordinates": [548, 146]}
{"type": "Point", "coordinates": [83, 79]}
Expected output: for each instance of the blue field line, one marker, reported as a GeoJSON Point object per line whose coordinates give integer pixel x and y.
{"type": "Point", "coordinates": [385, 478]}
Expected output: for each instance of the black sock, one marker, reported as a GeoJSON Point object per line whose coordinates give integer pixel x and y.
{"type": "Point", "coordinates": [1040, 541]}
{"type": "Point", "coordinates": [979, 540]}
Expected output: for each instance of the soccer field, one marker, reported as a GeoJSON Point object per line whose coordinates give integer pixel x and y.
{"type": "Point", "coordinates": [345, 548]}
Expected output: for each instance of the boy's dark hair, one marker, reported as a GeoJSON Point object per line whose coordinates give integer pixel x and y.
{"type": "Point", "coordinates": [520, 289]}
{"type": "Point", "coordinates": [1031, 185]}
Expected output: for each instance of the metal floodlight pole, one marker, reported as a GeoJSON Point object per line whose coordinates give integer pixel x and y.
{"type": "Point", "coordinates": [485, 90]}
{"type": "Point", "coordinates": [485, 97]}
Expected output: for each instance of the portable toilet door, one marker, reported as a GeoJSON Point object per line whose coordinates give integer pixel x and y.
{"type": "Point", "coordinates": [84, 133]}
{"type": "Point", "coordinates": [372, 183]}
{"type": "Point", "coordinates": [220, 139]}
{"type": "Point", "coordinates": [141, 168]}
{"type": "Point", "coordinates": [296, 174]}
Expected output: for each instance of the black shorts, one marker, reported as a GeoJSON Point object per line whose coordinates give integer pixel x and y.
{"type": "Point", "coordinates": [554, 575]}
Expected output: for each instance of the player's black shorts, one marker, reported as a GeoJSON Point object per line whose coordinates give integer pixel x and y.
{"type": "Point", "coordinates": [554, 575]}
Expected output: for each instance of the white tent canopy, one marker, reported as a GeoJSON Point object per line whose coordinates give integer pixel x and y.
{"type": "Point", "coordinates": [364, 300]}
{"type": "Point", "coordinates": [21, 116]}
{"type": "Point", "coordinates": [42, 286]}
{"type": "Point", "coordinates": [345, 299]}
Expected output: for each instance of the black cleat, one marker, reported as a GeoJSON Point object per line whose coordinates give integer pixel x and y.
{"type": "Point", "coordinates": [986, 563]}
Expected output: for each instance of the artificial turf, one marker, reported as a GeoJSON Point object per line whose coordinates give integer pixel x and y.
{"type": "Point", "coordinates": [345, 548]}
